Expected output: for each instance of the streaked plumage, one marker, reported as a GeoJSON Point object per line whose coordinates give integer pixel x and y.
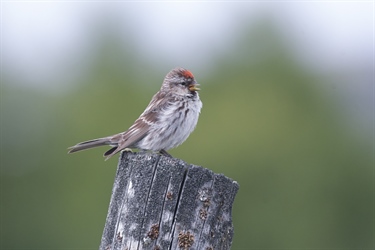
{"type": "Point", "coordinates": [167, 121]}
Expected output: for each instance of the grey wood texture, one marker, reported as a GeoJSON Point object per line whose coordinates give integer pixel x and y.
{"type": "Point", "coordinates": [162, 203]}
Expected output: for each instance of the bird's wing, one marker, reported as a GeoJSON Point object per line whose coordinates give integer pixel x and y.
{"type": "Point", "coordinates": [141, 126]}
{"type": "Point", "coordinates": [159, 101]}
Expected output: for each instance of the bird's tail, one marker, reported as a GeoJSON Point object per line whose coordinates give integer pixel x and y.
{"type": "Point", "coordinates": [90, 144]}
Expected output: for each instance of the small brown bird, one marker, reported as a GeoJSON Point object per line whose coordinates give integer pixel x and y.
{"type": "Point", "coordinates": [167, 121]}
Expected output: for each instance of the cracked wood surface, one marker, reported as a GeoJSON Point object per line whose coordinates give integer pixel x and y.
{"type": "Point", "coordinates": [162, 203]}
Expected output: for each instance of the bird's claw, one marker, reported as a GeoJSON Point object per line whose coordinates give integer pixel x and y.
{"type": "Point", "coordinates": [165, 153]}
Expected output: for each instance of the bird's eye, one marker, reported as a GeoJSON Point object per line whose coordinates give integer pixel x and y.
{"type": "Point", "coordinates": [186, 82]}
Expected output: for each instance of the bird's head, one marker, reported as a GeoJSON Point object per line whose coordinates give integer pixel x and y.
{"type": "Point", "coordinates": [181, 81]}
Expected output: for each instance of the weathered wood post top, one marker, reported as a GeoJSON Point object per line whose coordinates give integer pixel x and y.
{"type": "Point", "coordinates": [162, 203]}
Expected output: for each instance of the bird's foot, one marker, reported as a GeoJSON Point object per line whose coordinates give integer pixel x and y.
{"type": "Point", "coordinates": [165, 153]}
{"type": "Point", "coordinates": [127, 150]}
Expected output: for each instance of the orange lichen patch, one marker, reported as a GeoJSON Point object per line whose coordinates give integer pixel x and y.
{"type": "Point", "coordinates": [185, 240]}
{"type": "Point", "coordinates": [153, 234]}
{"type": "Point", "coordinates": [169, 195]}
{"type": "Point", "coordinates": [203, 213]}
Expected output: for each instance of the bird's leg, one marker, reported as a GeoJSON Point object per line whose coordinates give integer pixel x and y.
{"type": "Point", "coordinates": [165, 153]}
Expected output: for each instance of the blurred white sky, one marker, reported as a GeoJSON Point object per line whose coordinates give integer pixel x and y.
{"type": "Point", "coordinates": [47, 43]}
{"type": "Point", "coordinates": [41, 39]}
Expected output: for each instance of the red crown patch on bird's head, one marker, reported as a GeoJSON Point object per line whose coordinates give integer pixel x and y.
{"type": "Point", "coordinates": [186, 73]}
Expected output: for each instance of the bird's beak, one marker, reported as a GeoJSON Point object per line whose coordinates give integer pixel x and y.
{"type": "Point", "coordinates": [194, 87]}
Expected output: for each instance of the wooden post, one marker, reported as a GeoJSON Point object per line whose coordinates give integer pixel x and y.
{"type": "Point", "coordinates": [161, 203]}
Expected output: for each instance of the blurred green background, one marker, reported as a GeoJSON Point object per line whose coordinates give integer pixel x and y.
{"type": "Point", "coordinates": [297, 138]}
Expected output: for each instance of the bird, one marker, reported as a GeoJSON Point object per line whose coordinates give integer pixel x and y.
{"type": "Point", "coordinates": [167, 121]}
